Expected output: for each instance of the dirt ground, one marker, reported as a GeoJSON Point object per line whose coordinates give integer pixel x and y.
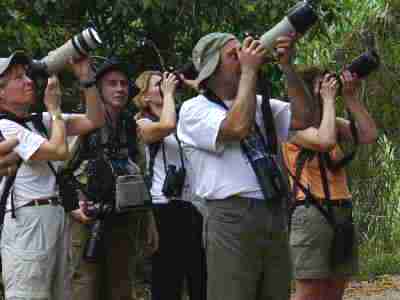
{"type": "Point", "coordinates": [383, 288]}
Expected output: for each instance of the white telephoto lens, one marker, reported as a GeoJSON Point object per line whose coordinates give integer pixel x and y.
{"type": "Point", "coordinates": [74, 48]}
{"type": "Point", "coordinates": [92, 38]}
{"type": "Point", "coordinates": [284, 27]}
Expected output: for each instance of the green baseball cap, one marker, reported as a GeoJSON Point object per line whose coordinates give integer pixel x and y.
{"type": "Point", "coordinates": [206, 53]}
{"type": "Point", "coordinates": [18, 57]}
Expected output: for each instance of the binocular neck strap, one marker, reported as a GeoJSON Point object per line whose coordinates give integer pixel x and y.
{"type": "Point", "coordinates": [180, 153]}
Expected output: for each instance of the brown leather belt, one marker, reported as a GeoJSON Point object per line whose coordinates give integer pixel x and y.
{"type": "Point", "coordinates": [46, 201]}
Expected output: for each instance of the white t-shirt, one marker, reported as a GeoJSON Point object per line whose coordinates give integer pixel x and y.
{"type": "Point", "coordinates": [222, 170]}
{"type": "Point", "coordinates": [34, 179]}
{"type": "Point", "coordinates": [172, 158]}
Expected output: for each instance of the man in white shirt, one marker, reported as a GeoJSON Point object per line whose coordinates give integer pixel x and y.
{"type": "Point", "coordinates": [245, 232]}
{"type": "Point", "coordinates": [34, 242]}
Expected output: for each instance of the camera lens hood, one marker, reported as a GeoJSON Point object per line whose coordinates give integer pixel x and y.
{"type": "Point", "coordinates": [302, 16]}
{"type": "Point", "coordinates": [365, 64]}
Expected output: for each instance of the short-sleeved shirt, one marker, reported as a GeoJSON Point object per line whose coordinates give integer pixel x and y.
{"type": "Point", "coordinates": [172, 156]}
{"type": "Point", "coordinates": [34, 179]}
{"type": "Point", "coordinates": [311, 175]}
{"type": "Point", "coordinates": [221, 170]}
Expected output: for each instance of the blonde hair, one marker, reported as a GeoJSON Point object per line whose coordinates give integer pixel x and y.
{"type": "Point", "coordinates": [143, 83]}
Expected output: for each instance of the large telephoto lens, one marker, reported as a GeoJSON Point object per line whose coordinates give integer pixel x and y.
{"type": "Point", "coordinates": [94, 245]}
{"type": "Point", "coordinates": [365, 64]}
{"type": "Point", "coordinates": [303, 17]}
{"type": "Point", "coordinates": [80, 45]}
{"type": "Point", "coordinates": [300, 18]}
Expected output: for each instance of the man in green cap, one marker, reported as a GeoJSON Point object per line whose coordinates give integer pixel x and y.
{"type": "Point", "coordinates": [228, 140]}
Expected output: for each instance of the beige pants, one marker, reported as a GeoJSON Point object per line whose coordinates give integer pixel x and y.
{"type": "Point", "coordinates": [112, 277]}
{"type": "Point", "coordinates": [34, 252]}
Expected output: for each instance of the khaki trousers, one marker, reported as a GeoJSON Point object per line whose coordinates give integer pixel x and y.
{"type": "Point", "coordinates": [247, 250]}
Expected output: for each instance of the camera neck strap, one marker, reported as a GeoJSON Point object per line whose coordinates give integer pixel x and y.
{"type": "Point", "coordinates": [180, 153]}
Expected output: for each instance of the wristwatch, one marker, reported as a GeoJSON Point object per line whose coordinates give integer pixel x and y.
{"type": "Point", "coordinates": [57, 116]}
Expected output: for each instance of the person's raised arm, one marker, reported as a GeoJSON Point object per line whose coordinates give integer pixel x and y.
{"type": "Point", "coordinates": [56, 147]}
{"type": "Point", "coordinates": [365, 124]}
{"type": "Point", "coordinates": [151, 132]}
{"type": "Point", "coordinates": [300, 97]}
{"type": "Point", "coordinates": [94, 117]}
{"type": "Point", "coordinates": [240, 118]}
{"type": "Point", "coordinates": [323, 138]}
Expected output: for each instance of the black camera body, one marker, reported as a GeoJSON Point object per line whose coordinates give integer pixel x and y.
{"type": "Point", "coordinates": [188, 70]}
{"type": "Point", "coordinates": [94, 244]}
{"type": "Point", "coordinates": [362, 66]}
{"type": "Point", "coordinates": [101, 190]}
{"type": "Point", "coordinates": [174, 182]}
{"type": "Point", "coordinates": [365, 64]}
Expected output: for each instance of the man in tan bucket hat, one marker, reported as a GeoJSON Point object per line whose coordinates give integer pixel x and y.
{"type": "Point", "coordinates": [223, 135]}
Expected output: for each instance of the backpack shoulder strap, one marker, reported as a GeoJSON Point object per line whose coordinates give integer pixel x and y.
{"type": "Point", "coordinates": [268, 117]}
{"type": "Point", "coordinates": [329, 214]}
{"type": "Point", "coordinates": [9, 182]}
{"type": "Point", "coordinates": [303, 156]}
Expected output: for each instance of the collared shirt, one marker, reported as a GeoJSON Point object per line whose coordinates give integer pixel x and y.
{"type": "Point", "coordinates": [221, 170]}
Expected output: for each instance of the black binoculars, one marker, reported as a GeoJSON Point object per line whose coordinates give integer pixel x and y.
{"type": "Point", "coordinates": [174, 182]}
{"type": "Point", "coordinates": [188, 70]}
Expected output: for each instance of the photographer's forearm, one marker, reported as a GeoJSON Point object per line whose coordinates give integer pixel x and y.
{"type": "Point", "coordinates": [168, 113]}
{"type": "Point", "coordinates": [241, 117]}
{"type": "Point", "coordinates": [300, 98]}
{"type": "Point", "coordinates": [58, 138]}
{"type": "Point", "coordinates": [366, 126]}
{"type": "Point", "coordinates": [151, 132]}
{"type": "Point", "coordinates": [94, 107]}
{"type": "Point", "coordinates": [327, 129]}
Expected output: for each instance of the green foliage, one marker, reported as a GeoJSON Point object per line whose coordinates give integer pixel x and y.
{"type": "Point", "coordinates": [377, 265]}
{"type": "Point", "coordinates": [377, 198]}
